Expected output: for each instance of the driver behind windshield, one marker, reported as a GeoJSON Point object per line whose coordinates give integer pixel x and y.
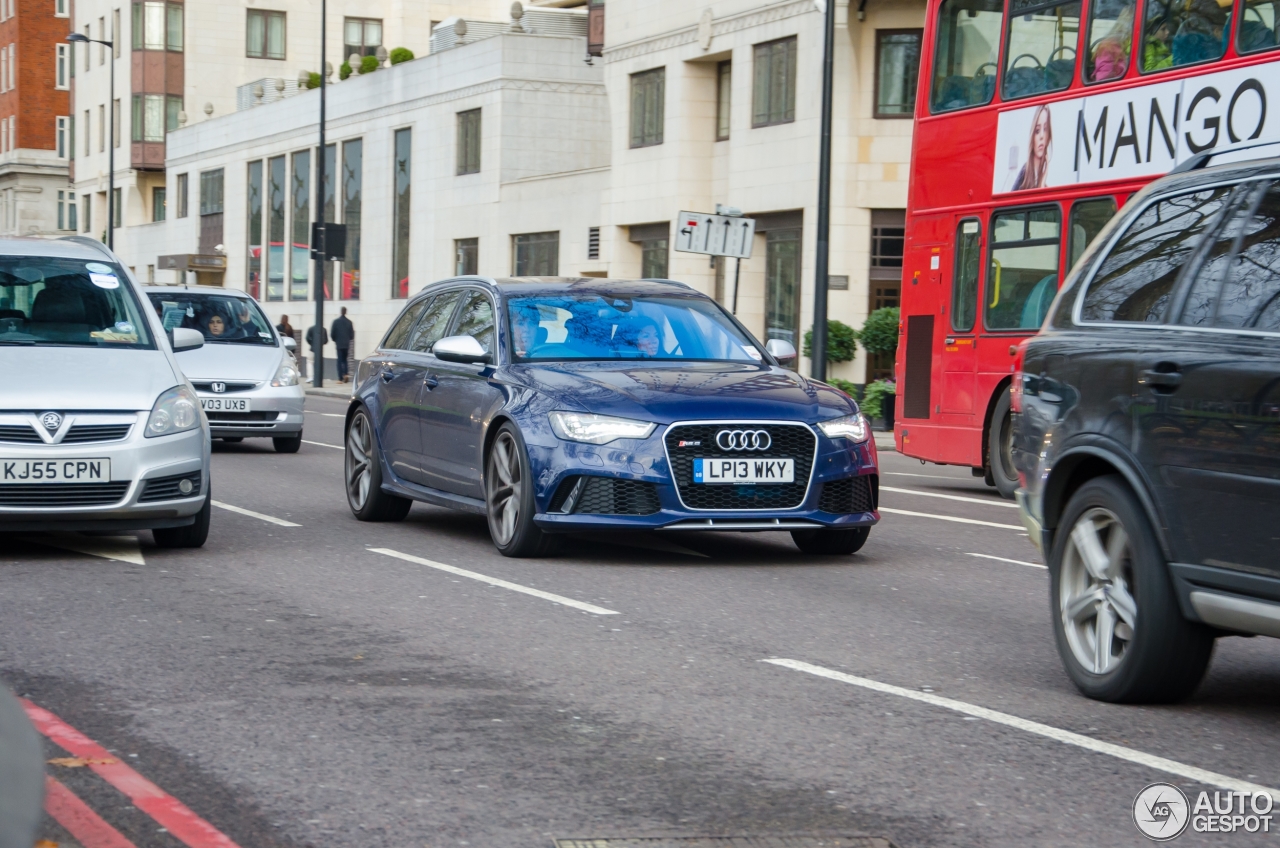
{"type": "Point", "coordinates": [641, 333]}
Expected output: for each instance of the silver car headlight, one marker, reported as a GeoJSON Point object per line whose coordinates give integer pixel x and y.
{"type": "Point", "coordinates": [852, 427]}
{"type": "Point", "coordinates": [286, 374]}
{"type": "Point", "coordinates": [598, 429]}
{"type": "Point", "coordinates": [176, 410]}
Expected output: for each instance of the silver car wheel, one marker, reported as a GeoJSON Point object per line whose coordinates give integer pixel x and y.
{"type": "Point", "coordinates": [504, 488]}
{"type": "Point", "coordinates": [359, 457]}
{"type": "Point", "coordinates": [1099, 613]}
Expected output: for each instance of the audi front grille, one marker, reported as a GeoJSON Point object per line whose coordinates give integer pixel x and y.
{"type": "Point", "coordinates": [786, 441]}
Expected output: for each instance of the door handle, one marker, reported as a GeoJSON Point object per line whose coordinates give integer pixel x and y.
{"type": "Point", "coordinates": [430, 381]}
{"type": "Point", "coordinates": [1161, 381]}
{"type": "Point", "coordinates": [388, 375]}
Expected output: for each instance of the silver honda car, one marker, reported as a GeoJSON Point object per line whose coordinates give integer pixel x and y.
{"type": "Point", "coordinates": [99, 429]}
{"type": "Point", "coordinates": [245, 374]}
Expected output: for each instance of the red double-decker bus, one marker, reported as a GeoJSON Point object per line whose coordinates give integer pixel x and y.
{"type": "Point", "coordinates": [1035, 121]}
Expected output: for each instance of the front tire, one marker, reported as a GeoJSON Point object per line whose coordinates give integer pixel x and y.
{"type": "Point", "coordinates": [1001, 472]}
{"type": "Point", "coordinates": [363, 475]}
{"type": "Point", "coordinates": [193, 535]}
{"type": "Point", "coordinates": [508, 493]}
{"type": "Point", "coordinates": [287, 444]}
{"type": "Point", "coordinates": [1116, 620]}
{"type": "Point", "coordinates": [831, 542]}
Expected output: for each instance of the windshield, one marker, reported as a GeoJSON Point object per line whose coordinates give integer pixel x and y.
{"type": "Point", "coordinates": [223, 318]}
{"type": "Point", "coordinates": [47, 301]}
{"type": "Point", "coordinates": [592, 326]}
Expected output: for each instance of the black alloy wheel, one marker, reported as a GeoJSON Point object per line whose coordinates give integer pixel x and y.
{"type": "Point", "coordinates": [508, 490]}
{"type": "Point", "coordinates": [363, 475]}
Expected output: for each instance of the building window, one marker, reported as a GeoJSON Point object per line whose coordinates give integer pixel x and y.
{"type": "Point", "coordinates": [648, 90]}
{"type": "Point", "coordinates": [352, 207]}
{"type": "Point", "coordinates": [62, 138]}
{"type": "Point", "coordinates": [782, 284]}
{"type": "Point", "coordinates": [60, 11]}
{"type": "Point", "coordinates": [654, 248]}
{"type": "Point", "coordinates": [182, 196]}
{"type": "Point", "coordinates": [86, 47]}
{"type": "Point", "coordinates": [148, 117]}
{"type": "Point", "coordinates": [158, 205]}
{"type": "Point", "coordinates": [117, 208]}
{"type": "Point", "coordinates": [774, 90]}
{"type": "Point", "coordinates": [102, 128]}
{"type": "Point", "coordinates": [115, 122]}
{"type": "Point", "coordinates": [330, 202]}
{"type": "Point", "coordinates": [467, 257]}
{"type": "Point", "coordinates": [62, 66]}
{"type": "Point", "coordinates": [264, 34]}
{"type": "Point", "coordinates": [86, 220]}
{"type": "Point", "coordinates": [469, 142]}
{"type": "Point", "coordinates": [401, 209]}
{"type": "Point", "coordinates": [593, 243]}
{"type": "Point", "coordinates": [253, 227]}
{"type": "Point", "coordinates": [361, 36]}
{"type": "Point", "coordinates": [67, 211]}
{"type": "Point", "coordinates": [275, 228]}
{"type": "Point", "coordinates": [157, 26]}
{"type": "Point", "coordinates": [888, 237]}
{"type": "Point", "coordinates": [172, 108]}
{"type": "Point", "coordinates": [115, 34]}
{"type": "Point", "coordinates": [211, 192]}
{"type": "Point", "coordinates": [86, 132]}
{"type": "Point", "coordinates": [897, 71]}
{"type": "Point", "coordinates": [300, 218]}
{"type": "Point", "coordinates": [724, 98]}
{"type": "Point", "coordinates": [537, 255]}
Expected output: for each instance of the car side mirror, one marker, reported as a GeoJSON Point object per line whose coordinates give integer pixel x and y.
{"type": "Point", "coordinates": [182, 338]}
{"type": "Point", "coordinates": [780, 350]}
{"type": "Point", "coordinates": [461, 349]}
{"type": "Point", "coordinates": [289, 344]}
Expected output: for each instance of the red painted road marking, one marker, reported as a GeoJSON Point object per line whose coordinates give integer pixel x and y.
{"type": "Point", "coordinates": [80, 821]}
{"type": "Point", "coordinates": [168, 811]}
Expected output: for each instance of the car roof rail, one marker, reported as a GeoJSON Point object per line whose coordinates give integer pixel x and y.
{"type": "Point", "coordinates": [90, 242]}
{"type": "Point", "coordinates": [1202, 160]}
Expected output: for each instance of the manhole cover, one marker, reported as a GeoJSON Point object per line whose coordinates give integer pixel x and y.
{"type": "Point", "coordinates": [728, 842]}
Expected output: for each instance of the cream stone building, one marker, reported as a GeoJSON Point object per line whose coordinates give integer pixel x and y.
{"type": "Point", "coordinates": [511, 149]}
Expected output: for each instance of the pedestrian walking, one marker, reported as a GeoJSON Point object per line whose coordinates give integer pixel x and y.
{"type": "Point", "coordinates": [343, 333]}
{"type": "Point", "coordinates": [284, 327]}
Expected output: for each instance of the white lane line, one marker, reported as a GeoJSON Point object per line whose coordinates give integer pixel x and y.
{"type": "Point", "coordinates": [1018, 527]}
{"type": "Point", "coordinates": [325, 414]}
{"type": "Point", "coordinates": [930, 476]}
{"type": "Point", "coordinates": [122, 548]}
{"type": "Point", "coordinates": [321, 444]}
{"type": "Point", "coordinates": [1014, 561]}
{"type": "Point", "coordinates": [268, 518]}
{"type": "Point", "coordinates": [983, 501]}
{"type": "Point", "coordinates": [1057, 734]}
{"type": "Point", "coordinates": [494, 581]}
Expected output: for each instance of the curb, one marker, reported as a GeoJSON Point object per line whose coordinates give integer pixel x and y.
{"type": "Point", "coordinates": [327, 392]}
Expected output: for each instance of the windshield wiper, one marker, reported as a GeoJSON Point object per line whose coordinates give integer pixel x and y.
{"type": "Point", "coordinates": [17, 341]}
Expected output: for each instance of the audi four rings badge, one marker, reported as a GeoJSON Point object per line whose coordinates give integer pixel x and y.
{"type": "Point", "coordinates": [738, 440]}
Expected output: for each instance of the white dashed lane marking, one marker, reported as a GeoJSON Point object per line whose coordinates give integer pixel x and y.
{"type": "Point", "coordinates": [1014, 561]}
{"type": "Point", "coordinates": [983, 501]}
{"type": "Point", "coordinates": [271, 519]}
{"type": "Point", "coordinates": [321, 444]}
{"type": "Point", "coordinates": [1057, 734]}
{"type": "Point", "coordinates": [494, 581]}
{"type": "Point", "coordinates": [957, 519]}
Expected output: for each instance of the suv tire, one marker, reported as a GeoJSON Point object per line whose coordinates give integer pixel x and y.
{"type": "Point", "coordinates": [287, 444]}
{"type": "Point", "coordinates": [1107, 573]}
{"type": "Point", "coordinates": [193, 535]}
{"type": "Point", "coordinates": [362, 474]}
{"type": "Point", "coordinates": [508, 495]}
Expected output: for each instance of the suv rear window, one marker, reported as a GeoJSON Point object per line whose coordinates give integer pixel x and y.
{"type": "Point", "coordinates": [48, 301]}
{"type": "Point", "coordinates": [1135, 282]}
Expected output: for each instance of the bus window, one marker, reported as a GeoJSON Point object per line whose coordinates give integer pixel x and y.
{"type": "Point", "coordinates": [966, 53]}
{"type": "Point", "coordinates": [1023, 278]}
{"type": "Point", "coordinates": [1110, 39]}
{"type": "Point", "coordinates": [1087, 219]}
{"type": "Point", "coordinates": [964, 288]}
{"type": "Point", "coordinates": [1042, 47]}
{"type": "Point", "coordinates": [1258, 26]}
{"type": "Point", "coordinates": [1183, 32]}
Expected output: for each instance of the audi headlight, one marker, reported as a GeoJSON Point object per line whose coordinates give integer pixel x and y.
{"type": "Point", "coordinates": [176, 410]}
{"type": "Point", "coordinates": [598, 429]}
{"type": "Point", "coordinates": [852, 427]}
{"type": "Point", "coordinates": [286, 374]}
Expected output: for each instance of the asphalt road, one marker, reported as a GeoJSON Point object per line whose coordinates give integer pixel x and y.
{"type": "Point", "coordinates": [294, 686]}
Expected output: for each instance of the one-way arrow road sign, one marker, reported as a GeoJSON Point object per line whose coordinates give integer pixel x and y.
{"type": "Point", "coordinates": [715, 235]}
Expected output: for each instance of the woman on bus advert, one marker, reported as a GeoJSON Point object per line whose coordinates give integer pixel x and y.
{"type": "Point", "coordinates": [1035, 171]}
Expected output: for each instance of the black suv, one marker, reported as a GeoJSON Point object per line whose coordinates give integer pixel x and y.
{"type": "Point", "coordinates": [1147, 434]}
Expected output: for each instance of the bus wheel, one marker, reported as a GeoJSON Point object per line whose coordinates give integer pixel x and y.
{"type": "Point", "coordinates": [1000, 470]}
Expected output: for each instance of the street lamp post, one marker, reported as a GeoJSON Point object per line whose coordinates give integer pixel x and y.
{"type": "Point", "coordinates": [78, 38]}
{"type": "Point", "coordinates": [818, 364]}
{"type": "Point", "coordinates": [321, 254]}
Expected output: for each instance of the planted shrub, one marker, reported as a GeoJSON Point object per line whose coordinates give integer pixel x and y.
{"type": "Point", "coordinates": [313, 81]}
{"type": "Point", "coordinates": [344, 70]}
{"type": "Point", "coordinates": [873, 397]}
{"type": "Point", "coordinates": [368, 64]}
{"type": "Point", "coordinates": [851, 389]}
{"type": "Point", "coordinates": [401, 54]}
{"type": "Point", "coordinates": [880, 332]}
{"type": "Point", "coordinates": [842, 342]}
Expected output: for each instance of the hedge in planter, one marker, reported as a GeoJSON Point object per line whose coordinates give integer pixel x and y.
{"type": "Point", "coordinates": [880, 333]}
{"type": "Point", "coordinates": [873, 396]}
{"type": "Point", "coordinates": [842, 342]}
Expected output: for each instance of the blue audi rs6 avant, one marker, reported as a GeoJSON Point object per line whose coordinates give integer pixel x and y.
{"type": "Point", "coordinates": [556, 405]}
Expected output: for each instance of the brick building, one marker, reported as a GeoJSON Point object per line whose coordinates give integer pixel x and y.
{"type": "Point", "coordinates": [35, 118]}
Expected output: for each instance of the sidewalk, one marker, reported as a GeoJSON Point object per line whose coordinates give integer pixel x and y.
{"type": "Point", "coordinates": [884, 440]}
{"type": "Point", "coordinates": [332, 389]}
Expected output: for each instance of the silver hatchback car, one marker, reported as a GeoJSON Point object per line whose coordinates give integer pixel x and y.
{"type": "Point", "coordinates": [99, 429]}
{"type": "Point", "coordinates": [245, 375]}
